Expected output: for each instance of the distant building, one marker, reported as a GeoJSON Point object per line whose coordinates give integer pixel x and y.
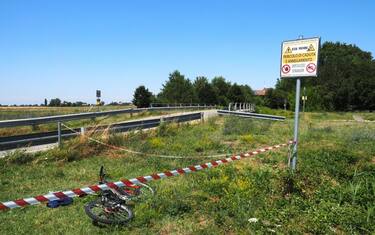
{"type": "Point", "coordinates": [261, 92]}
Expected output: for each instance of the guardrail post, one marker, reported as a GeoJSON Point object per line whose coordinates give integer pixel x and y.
{"type": "Point", "coordinates": [202, 116]}
{"type": "Point", "coordinates": [82, 131]}
{"type": "Point", "coordinates": [59, 134]}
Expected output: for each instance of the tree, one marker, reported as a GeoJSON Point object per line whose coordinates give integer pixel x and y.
{"type": "Point", "coordinates": [142, 97]}
{"type": "Point", "coordinates": [45, 102]}
{"type": "Point", "coordinates": [275, 98]}
{"type": "Point", "coordinates": [248, 93]}
{"type": "Point", "coordinates": [204, 91]}
{"type": "Point", "coordinates": [235, 94]}
{"type": "Point", "coordinates": [177, 89]}
{"type": "Point", "coordinates": [66, 104]}
{"type": "Point", "coordinates": [221, 87]}
{"type": "Point", "coordinates": [55, 102]}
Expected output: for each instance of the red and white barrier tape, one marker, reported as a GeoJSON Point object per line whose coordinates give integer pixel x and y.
{"type": "Point", "coordinates": [130, 182]}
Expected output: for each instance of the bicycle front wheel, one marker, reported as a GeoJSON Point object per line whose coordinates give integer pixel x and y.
{"type": "Point", "coordinates": [145, 192]}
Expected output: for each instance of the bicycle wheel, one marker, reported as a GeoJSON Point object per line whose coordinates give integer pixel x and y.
{"type": "Point", "coordinates": [100, 212]}
{"type": "Point", "coordinates": [145, 191]}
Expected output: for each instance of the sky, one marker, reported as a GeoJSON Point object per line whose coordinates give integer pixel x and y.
{"type": "Point", "coordinates": [69, 49]}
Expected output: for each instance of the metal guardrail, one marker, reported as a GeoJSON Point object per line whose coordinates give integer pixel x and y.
{"type": "Point", "coordinates": [11, 142]}
{"type": "Point", "coordinates": [69, 117]}
{"type": "Point", "coordinates": [251, 115]}
{"type": "Point", "coordinates": [247, 107]}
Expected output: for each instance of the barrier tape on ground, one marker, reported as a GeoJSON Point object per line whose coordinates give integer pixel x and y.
{"type": "Point", "coordinates": [130, 182]}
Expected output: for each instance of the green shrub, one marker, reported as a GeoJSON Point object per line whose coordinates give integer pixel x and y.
{"type": "Point", "coordinates": [166, 129]}
{"type": "Point", "coordinates": [18, 157]}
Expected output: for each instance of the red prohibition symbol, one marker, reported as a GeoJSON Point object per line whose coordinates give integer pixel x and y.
{"type": "Point", "coordinates": [311, 68]}
{"type": "Point", "coordinates": [285, 69]}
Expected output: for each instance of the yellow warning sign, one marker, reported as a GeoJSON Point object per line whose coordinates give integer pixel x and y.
{"type": "Point", "coordinates": [299, 58]}
{"type": "Point", "coordinates": [311, 48]}
{"type": "Point", "coordinates": [288, 50]}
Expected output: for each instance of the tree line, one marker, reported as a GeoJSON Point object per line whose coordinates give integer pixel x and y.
{"type": "Point", "coordinates": [345, 82]}
{"type": "Point", "coordinates": [179, 89]}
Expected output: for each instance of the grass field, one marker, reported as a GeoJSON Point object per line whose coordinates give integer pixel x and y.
{"type": "Point", "coordinates": [7, 113]}
{"type": "Point", "coordinates": [334, 186]}
{"type": "Point", "coordinates": [26, 112]}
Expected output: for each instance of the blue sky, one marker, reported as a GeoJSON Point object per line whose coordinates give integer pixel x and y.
{"type": "Point", "coordinates": [68, 49]}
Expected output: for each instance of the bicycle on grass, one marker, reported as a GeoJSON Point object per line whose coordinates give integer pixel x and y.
{"type": "Point", "coordinates": [112, 206]}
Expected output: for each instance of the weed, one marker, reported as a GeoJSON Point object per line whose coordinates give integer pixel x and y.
{"type": "Point", "coordinates": [362, 135]}
{"type": "Point", "coordinates": [167, 129]}
{"type": "Point", "coordinates": [247, 138]}
{"type": "Point", "coordinates": [18, 157]}
{"type": "Point", "coordinates": [156, 142]}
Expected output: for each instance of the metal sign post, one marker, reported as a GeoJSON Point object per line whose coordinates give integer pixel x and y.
{"type": "Point", "coordinates": [299, 58]}
{"type": "Point", "coordinates": [296, 123]}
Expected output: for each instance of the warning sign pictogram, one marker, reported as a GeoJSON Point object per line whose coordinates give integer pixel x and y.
{"type": "Point", "coordinates": [288, 50]}
{"type": "Point", "coordinates": [311, 68]}
{"type": "Point", "coordinates": [311, 48]}
{"type": "Point", "coordinates": [286, 68]}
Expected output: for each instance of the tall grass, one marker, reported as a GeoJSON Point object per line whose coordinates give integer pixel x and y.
{"type": "Point", "coordinates": [334, 185]}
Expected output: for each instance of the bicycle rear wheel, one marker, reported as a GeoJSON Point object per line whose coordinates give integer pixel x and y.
{"type": "Point", "coordinates": [99, 212]}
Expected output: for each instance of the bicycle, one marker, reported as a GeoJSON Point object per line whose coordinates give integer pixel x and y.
{"type": "Point", "coordinates": [112, 206]}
